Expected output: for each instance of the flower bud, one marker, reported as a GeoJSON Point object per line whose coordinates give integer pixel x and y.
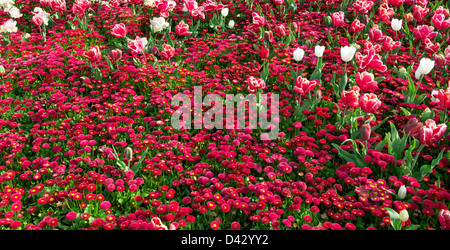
{"type": "Point", "coordinates": [317, 94]}
{"type": "Point", "coordinates": [328, 21]}
{"type": "Point", "coordinates": [365, 131]}
{"type": "Point", "coordinates": [268, 36]}
{"type": "Point", "coordinates": [403, 215]}
{"type": "Point", "coordinates": [224, 12]}
{"type": "Point", "coordinates": [412, 127]}
{"type": "Point", "coordinates": [294, 27]}
{"type": "Point", "coordinates": [128, 153]}
{"type": "Point", "coordinates": [402, 192]}
{"type": "Point", "coordinates": [116, 55]}
{"type": "Point", "coordinates": [402, 73]}
{"type": "Point", "coordinates": [231, 24]}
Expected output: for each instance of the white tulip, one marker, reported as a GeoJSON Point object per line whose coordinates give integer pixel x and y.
{"type": "Point", "coordinates": [425, 67]}
{"type": "Point", "coordinates": [298, 54]}
{"type": "Point", "coordinates": [14, 12]}
{"type": "Point", "coordinates": [396, 24]}
{"type": "Point", "coordinates": [404, 216]}
{"type": "Point", "coordinates": [158, 24]}
{"type": "Point", "coordinates": [231, 24]}
{"type": "Point", "coordinates": [224, 12]}
{"type": "Point", "coordinates": [318, 50]}
{"type": "Point", "coordinates": [402, 192]}
{"type": "Point", "coordinates": [347, 53]}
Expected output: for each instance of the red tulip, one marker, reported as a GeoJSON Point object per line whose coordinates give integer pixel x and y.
{"type": "Point", "coordinates": [182, 29]}
{"type": "Point", "coordinates": [356, 26]}
{"type": "Point", "coordinates": [350, 98]}
{"type": "Point", "coordinates": [278, 2]}
{"type": "Point", "coordinates": [369, 102]}
{"type": "Point", "coordinates": [442, 10]}
{"type": "Point", "coordinates": [396, 3]}
{"type": "Point", "coordinates": [268, 36]}
{"type": "Point", "coordinates": [303, 85]}
{"type": "Point", "coordinates": [280, 30]}
{"type": "Point", "coordinates": [431, 47]}
{"type": "Point", "coordinates": [444, 97]}
{"type": "Point", "coordinates": [368, 46]}
{"type": "Point", "coordinates": [258, 21]}
{"type": "Point", "coordinates": [366, 81]}
{"type": "Point", "coordinates": [423, 32]}
{"type": "Point", "coordinates": [370, 61]}
{"type": "Point", "coordinates": [58, 5]}
{"type": "Point", "coordinates": [94, 54]}
{"type": "Point", "coordinates": [385, 12]}
{"type": "Point", "coordinates": [439, 21]}
{"type": "Point", "coordinates": [116, 55]}
{"type": "Point", "coordinates": [440, 60]}
{"type": "Point", "coordinates": [365, 131]}
{"type": "Point", "coordinates": [255, 84]}
{"type": "Point", "coordinates": [338, 19]}
{"type": "Point", "coordinates": [168, 52]}
{"type": "Point", "coordinates": [362, 6]}
{"type": "Point", "coordinates": [431, 133]}
{"type": "Point", "coordinates": [389, 44]}
{"type": "Point", "coordinates": [114, 3]}
{"type": "Point", "coordinates": [375, 34]}
{"type": "Point", "coordinates": [294, 27]}
{"type": "Point", "coordinates": [444, 219]}
{"type": "Point", "coordinates": [419, 12]}
{"type": "Point", "coordinates": [137, 45]}
{"type": "Point", "coordinates": [119, 30]}
{"type": "Point", "coordinates": [37, 20]}
{"type": "Point", "coordinates": [413, 127]}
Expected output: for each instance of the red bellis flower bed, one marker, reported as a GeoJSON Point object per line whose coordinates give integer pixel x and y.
{"type": "Point", "coordinates": [89, 90]}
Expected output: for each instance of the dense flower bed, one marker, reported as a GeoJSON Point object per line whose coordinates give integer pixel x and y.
{"type": "Point", "coordinates": [87, 96]}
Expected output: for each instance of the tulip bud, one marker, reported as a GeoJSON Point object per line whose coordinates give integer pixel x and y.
{"type": "Point", "coordinates": [440, 60]}
{"type": "Point", "coordinates": [328, 21]}
{"type": "Point", "coordinates": [128, 153]}
{"type": "Point", "coordinates": [412, 127]}
{"type": "Point", "coordinates": [402, 192]}
{"type": "Point", "coordinates": [224, 12]}
{"type": "Point", "coordinates": [231, 24]}
{"type": "Point", "coordinates": [402, 73]}
{"type": "Point", "coordinates": [444, 219]}
{"type": "Point", "coordinates": [403, 215]}
{"type": "Point", "coordinates": [268, 36]}
{"type": "Point", "coordinates": [365, 19]}
{"type": "Point", "coordinates": [365, 131]}
{"type": "Point", "coordinates": [294, 27]}
{"type": "Point", "coordinates": [116, 55]}
{"type": "Point", "coordinates": [298, 54]}
{"type": "Point", "coordinates": [317, 94]}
